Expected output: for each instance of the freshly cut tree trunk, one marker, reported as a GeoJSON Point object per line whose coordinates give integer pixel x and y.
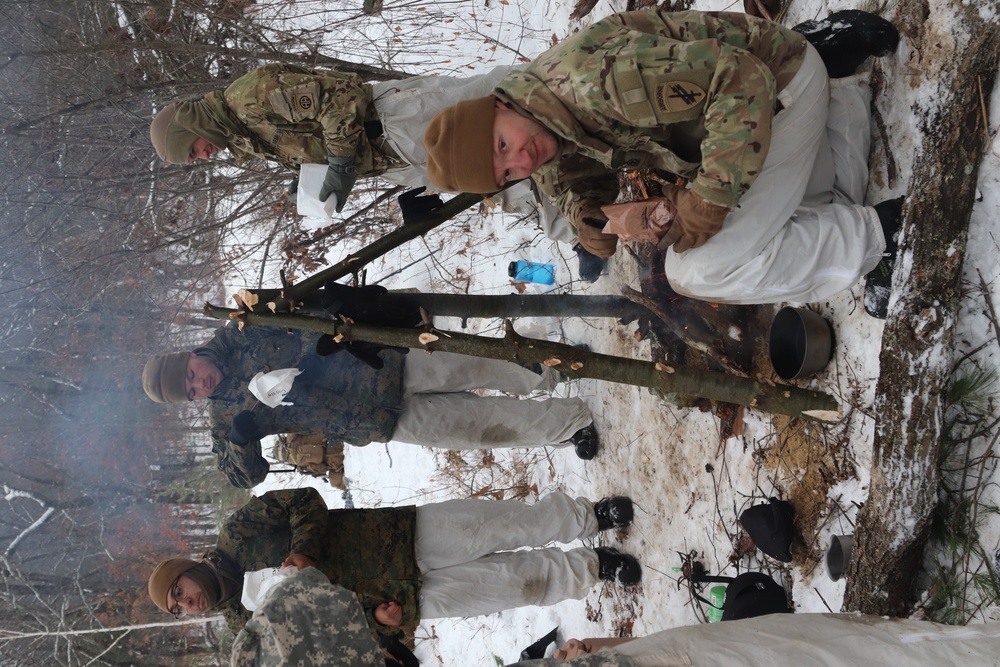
{"type": "Point", "coordinates": [916, 357]}
{"type": "Point", "coordinates": [571, 361]}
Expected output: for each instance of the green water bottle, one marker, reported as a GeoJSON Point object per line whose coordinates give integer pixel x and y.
{"type": "Point", "coordinates": [717, 596]}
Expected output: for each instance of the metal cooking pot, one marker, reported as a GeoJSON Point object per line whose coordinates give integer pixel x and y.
{"type": "Point", "coordinates": [800, 343]}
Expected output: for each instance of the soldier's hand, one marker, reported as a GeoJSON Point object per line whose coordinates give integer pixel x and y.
{"type": "Point", "coordinates": [298, 561]}
{"type": "Point", "coordinates": [414, 207]}
{"type": "Point", "coordinates": [590, 221]}
{"type": "Point", "coordinates": [574, 648]}
{"type": "Point", "coordinates": [389, 613]}
{"type": "Point", "coordinates": [293, 190]}
{"type": "Point", "coordinates": [244, 429]}
{"type": "Point", "coordinates": [340, 178]}
{"type": "Point", "coordinates": [695, 220]}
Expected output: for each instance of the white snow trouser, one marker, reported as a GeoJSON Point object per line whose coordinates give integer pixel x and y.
{"type": "Point", "coordinates": [463, 575]}
{"type": "Point", "coordinates": [800, 232]}
{"type": "Point", "coordinates": [817, 640]}
{"type": "Point", "coordinates": [439, 411]}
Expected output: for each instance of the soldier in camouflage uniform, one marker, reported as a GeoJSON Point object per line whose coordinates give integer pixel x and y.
{"type": "Point", "coordinates": [284, 113]}
{"type": "Point", "coordinates": [442, 560]}
{"type": "Point", "coordinates": [415, 398]}
{"type": "Point", "coordinates": [293, 115]}
{"type": "Point", "coordinates": [736, 104]}
{"type": "Point", "coordinates": [306, 620]}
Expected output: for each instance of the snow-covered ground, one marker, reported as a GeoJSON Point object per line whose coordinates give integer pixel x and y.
{"type": "Point", "coordinates": [688, 483]}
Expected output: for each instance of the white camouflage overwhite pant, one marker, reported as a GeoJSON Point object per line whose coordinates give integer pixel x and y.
{"type": "Point", "coordinates": [799, 233]}
{"type": "Point", "coordinates": [439, 409]}
{"type": "Point", "coordinates": [463, 575]}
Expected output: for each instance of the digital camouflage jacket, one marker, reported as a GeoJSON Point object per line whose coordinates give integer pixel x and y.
{"type": "Point", "coordinates": [346, 400]}
{"type": "Point", "coordinates": [298, 115]}
{"type": "Point", "coordinates": [369, 552]}
{"type": "Point", "coordinates": [690, 93]}
{"type": "Point", "coordinates": [304, 621]}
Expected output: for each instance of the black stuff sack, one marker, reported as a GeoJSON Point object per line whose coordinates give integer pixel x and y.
{"type": "Point", "coordinates": [747, 595]}
{"type": "Point", "coordinates": [771, 527]}
{"type": "Point", "coordinates": [754, 594]}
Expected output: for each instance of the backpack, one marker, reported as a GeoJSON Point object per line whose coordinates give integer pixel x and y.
{"type": "Point", "coordinates": [748, 595]}
{"type": "Point", "coordinates": [313, 454]}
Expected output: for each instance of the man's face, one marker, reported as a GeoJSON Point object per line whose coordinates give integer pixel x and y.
{"type": "Point", "coordinates": [520, 145]}
{"type": "Point", "coordinates": [202, 377]}
{"type": "Point", "coordinates": [201, 150]}
{"type": "Point", "coordinates": [186, 597]}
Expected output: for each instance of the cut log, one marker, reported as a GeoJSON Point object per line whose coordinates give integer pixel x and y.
{"type": "Point", "coordinates": [916, 357]}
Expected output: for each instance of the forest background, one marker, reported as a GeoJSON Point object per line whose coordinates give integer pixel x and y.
{"type": "Point", "coordinates": [107, 257]}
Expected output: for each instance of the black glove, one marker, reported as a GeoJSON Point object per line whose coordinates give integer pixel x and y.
{"type": "Point", "coordinates": [244, 429]}
{"type": "Point", "coordinates": [400, 652]}
{"type": "Point", "coordinates": [414, 207]}
{"type": "Point", "coordinates": [364, 352]}
{"type": "Point", "coordinates": [372, 304]}
{"type": "Point", "coordinates": [293, 190]}
{"type": "Point", "coordinates": [340, 178]}
{"type": "Point", "coordinates": [311, 366]}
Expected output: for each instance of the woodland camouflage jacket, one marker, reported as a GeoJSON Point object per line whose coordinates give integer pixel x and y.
{"type": "Point", "coordinates": [690, 93]}
{"type": "Point", "coordinates": [298, 115]}
{"type": "Point", "coordinates": [347, 400]}
{"type": "Point", "coordinates": [369, 552]}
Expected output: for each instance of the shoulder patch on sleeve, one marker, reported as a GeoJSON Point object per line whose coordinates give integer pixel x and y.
{"type": "Point", "coordinates": [676, 96]}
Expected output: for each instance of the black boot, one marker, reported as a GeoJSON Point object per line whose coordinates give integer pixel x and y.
{"type": "Point", "coordinates": [878, 282]}
{"type": "Point", "coordinates": [613, 512]}
{"type": "Point", "coordinates": [615, 566]}
{"type": "Point", "coordinates": [585, 442]}
{"type": "Point", "coordinates": [847, 38]}
{"type": "Point", "coordinates": [591, 266]}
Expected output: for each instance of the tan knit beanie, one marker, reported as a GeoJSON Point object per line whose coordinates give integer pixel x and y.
{"type": "Point", "coordinates": [163, 378]}
{"type": "Point", "coordinates": [164, 576]}
{"type": "Point", "coordinates": [459, 142]}
{"type": "Point", "coordinates": [172, 143]}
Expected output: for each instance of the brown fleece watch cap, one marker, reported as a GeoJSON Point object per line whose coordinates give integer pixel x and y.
{"type": "Point", "coordinates": [459, 142]}
{"type": "Point", "coordinates": [163, 377]}
{"type": "Point", "coordinates": [164, 576]}
{"type": "Point", "coordinates": [172, 143]}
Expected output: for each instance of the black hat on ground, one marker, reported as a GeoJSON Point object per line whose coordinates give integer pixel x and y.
{"type": "Point", "coordinates": [771, 527]}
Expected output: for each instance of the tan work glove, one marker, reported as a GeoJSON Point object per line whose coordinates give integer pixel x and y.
{"type": "Point", "coordinates": [695, 221]}
{"type": "Point", "coordinates": [589, 221]}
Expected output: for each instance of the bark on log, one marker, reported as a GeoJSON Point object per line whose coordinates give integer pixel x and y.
{"type": "Point", "coordinates": [572, 362]}
{"type": "Point", "coordinates": [893, 525]}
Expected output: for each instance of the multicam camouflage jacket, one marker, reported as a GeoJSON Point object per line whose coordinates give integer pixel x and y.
{"type": "Point", "coordinates": [690, 93]}
{"type": "Point", "coordinates": [369, 552]}
{"type": "Point", "coordinates": [307, 621]}
{"type": "Point", "coordinates": [345, 399]}
{"type": "Point", "coordinates": [298, 115]}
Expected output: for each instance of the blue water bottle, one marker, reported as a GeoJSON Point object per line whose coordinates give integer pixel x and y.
{"type": "Point", "coordinates": [532, 272]}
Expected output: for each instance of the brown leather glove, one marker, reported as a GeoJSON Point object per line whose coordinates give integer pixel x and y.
{"type": "Point", "coordinates": [695, 221]}
{"type": "Point", "coordinates": [590, 220]}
